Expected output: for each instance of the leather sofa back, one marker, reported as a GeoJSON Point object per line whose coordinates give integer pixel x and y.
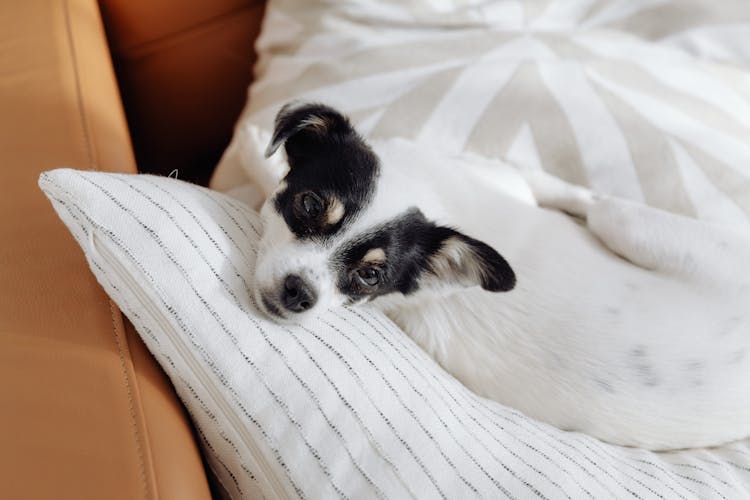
{"type": "Point", "coordinates": [183, 67]}
{"type": "Point", "coordinates": [85, 412]}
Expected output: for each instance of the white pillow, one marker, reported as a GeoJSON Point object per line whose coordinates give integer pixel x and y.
{"type": "Point", "coordinates": [646, 100]}
{"type": "Point", "coordinates": [346, 406]}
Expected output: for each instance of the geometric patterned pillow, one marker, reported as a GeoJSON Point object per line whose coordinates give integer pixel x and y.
{"type": "Point", "coordinates": [643, 100]}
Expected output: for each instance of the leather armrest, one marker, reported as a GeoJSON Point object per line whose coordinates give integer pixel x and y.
{"type": "Point", "coordinates": [86, 412]}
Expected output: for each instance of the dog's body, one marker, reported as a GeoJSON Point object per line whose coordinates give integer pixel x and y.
{"type": "Point", "coordinates": [656, 358]}
{"type": "Point", "coordinates": [652, 351]}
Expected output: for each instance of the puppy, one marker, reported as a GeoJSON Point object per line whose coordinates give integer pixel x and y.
{"type": "Point", "coordinates": [630, 324]}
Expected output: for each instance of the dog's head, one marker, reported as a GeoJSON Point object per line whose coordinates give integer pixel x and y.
{"type": "Point", "coordinates": [334, 235]}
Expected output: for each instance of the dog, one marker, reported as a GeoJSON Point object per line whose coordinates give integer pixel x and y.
{"type": "Point", "coordinates": [590, 313]}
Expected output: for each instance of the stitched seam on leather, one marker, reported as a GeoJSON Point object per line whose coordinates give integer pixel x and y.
{"type": "Point", "coordinates": [131, 405]}
{"type": "Point", "coordinates": [93, 166]}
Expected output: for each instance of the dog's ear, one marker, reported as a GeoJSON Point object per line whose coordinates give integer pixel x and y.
{"type": "Point", "coordinates": [307, 128]}
{"type": "Point", "coordinates": [464, 261]}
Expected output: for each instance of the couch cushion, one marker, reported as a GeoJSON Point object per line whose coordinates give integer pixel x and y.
{"type": "Point", "coordinates": [86, 412]}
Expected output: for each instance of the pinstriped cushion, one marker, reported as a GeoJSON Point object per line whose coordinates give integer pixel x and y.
{"type": "Point", "coordinates": [346, 406]}
{"type": "Point", "coordinates": [647, 100]}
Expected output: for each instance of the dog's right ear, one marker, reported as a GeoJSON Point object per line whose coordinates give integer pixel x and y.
{"type": "Point", "coordinates": [308, 128]}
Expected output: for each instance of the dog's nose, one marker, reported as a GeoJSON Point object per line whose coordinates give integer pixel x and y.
{"type": "Point", "coordinates": [297, 296]}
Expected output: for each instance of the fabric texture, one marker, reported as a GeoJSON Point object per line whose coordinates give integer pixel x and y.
{"type": "Point", "coordinates": [647, 100]}
{"type": "Point", "coordinates": [346, 406]}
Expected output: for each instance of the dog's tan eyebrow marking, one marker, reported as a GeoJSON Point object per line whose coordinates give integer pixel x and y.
{"type": "Point", "coordinates": [374, 256]}
{"type": "Point", "coordinates": [335, 211]}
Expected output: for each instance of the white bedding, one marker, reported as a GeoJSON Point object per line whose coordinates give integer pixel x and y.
{"type": "Point", "coordinates": [643, 99]}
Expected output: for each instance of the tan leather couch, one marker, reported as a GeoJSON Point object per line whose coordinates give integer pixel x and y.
{"type": "Point", "coordinates": [85, 412]}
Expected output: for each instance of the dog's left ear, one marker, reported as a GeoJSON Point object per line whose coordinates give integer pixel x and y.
{"type": "Point", "coordinates": [462, 260]}
{"type": "Point", "coordinates": [306, 128]}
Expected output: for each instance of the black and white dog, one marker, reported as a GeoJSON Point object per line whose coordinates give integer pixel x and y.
{"type": "Point", "coordinates": [634, 327]}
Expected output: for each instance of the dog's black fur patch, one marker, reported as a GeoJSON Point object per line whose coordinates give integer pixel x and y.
{"type": "Point", "coordinates": [410, 243]}
{"type": "Point", "coordinates": [327, 157]}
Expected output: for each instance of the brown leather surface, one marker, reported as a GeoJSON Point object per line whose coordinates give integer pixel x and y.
{"type": "Point", "coordinates": [85, 412]}
{"type": "Point", "coordinates": [183, 67]}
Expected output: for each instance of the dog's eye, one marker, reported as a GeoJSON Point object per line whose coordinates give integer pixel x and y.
{"type": "Point", "coordinates": [369, 276]}
{"type": "Point", "coordinates": [311, 205]}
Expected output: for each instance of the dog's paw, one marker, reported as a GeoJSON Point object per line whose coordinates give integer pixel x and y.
{"type": "Point", "coordinates": [553, 192]}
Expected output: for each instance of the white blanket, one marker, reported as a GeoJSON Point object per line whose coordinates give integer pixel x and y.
{"type": "Point", "coordinates": [643, 99]}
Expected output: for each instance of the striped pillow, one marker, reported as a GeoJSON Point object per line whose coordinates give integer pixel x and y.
{"type": "Point", "coordinates": [347, 406]}
{"type": "Point", "coordinates": [646, 100]}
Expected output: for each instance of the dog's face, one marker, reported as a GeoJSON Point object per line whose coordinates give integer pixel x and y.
{"type": "Point", "coordinates": [334, 234]}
